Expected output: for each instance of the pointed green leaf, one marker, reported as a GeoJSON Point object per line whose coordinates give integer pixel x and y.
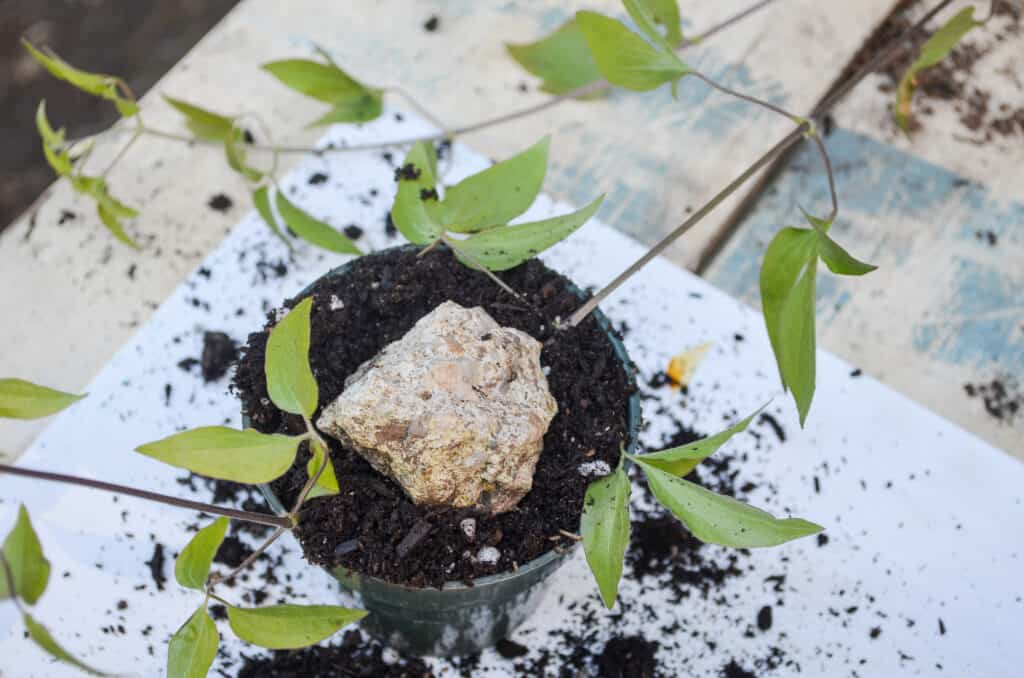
{"type": "Point", "coordinates": [364, 108]}
{"type": "Point", "coordinates": [716, 519]}
{"type": "Point", "coordinates": [623, 57]}
{"type": "Point", "coordinates": [29, 567]}
{"type": "Point", "coordinates": [201, 122]}
{"type": "Point", "coordinates": [787, 302]}
{"type": "Point", "coordinates": [327, 484]}
{"type": "Point", "coordinates": [561, 60]}
{"type": "Point", "coordinates": [109, 220]}
{"type": "Point", "coordinates": [225, 453]}
{"type": "Point", "coordinates": [103, 86]}
{"type": "Point", "coordinates": [605, 529]}
{"type": "Point", "coordinates": [20, 399]}
{"type": "Point", "coordinates": [290, 381]}
{"type": "Point", "coordinates": [414, 210]}
{"type": "Point", "coordinates": [42, 637]}
{"type": "Point", "coordinates": [193, 647]}
{"type": "Point", "coordinates": [934, 50]}
{"type": "Point", "coordinates": [53, 143]}
{"type": "Point", "coordinates": [289, 627]}
{"type": "Point", "coordinates": [496, 195]}
{"type": "Point", "coordinates": [313, 230]}
{"type": "Point", "coordinates": [193, 564]}
{"type": "Point", "coordinates": [235, 153]}
{"type": "Point", "coordinates": [352, 100]}
{"type": "Point", "coordinates": [665, 13]}
{"type": "Point", "coordinates": [840, 261]}
{"type": "Point", "coordinates": [503, 248]}
{"type": "Point", "coordinates": [681, 460]}
{"type": "Point", "coordinates": [642, 12]}
{"type": "Point", "coordinates": [261, 201]}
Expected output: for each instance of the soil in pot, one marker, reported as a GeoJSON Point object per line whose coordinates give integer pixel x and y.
{"type": "Point", "coordinates": [372, 527]}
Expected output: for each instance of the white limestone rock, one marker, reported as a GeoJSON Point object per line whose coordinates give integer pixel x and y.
{"type": "Point", "coordinates": [455, 411]}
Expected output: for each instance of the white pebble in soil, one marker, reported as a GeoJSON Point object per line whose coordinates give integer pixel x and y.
{"type": "Point", "coordinates": [596, 468]}
{"type": "Point", "coordinates": [469, 528]}
{"type": "Point", "coordinates": [488, 555]}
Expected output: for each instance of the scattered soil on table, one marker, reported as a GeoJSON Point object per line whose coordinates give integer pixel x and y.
{"type": "Point", "coordinates": [952, 79]}
{"type": "Point", "coordinates": [219, 353]}
{"type": "Point", "coordinates": [1003, 397]}
{"type": "Point", "coordinates": [368, 527]}
{"type": "Point", "coordinates": [220, 203]}
{"type": "Point", "coordinates": [352, 658]}
{"type": "Point", "coordinates": [628, 657]}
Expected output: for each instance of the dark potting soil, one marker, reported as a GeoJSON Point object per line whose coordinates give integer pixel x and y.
{"type": "Point", "coordinates": [352, 658]}
{"type": "Point", "coordinates": [628, 657]}
{"type": "Point", "coordinates": [364, 527]}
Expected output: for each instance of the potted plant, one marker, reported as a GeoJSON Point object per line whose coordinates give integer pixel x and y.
{"type": "Point", "coordinates": [468, 550]}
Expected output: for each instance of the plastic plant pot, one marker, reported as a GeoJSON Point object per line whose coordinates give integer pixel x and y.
{"type": "Point", "coordinates": [459, 618]}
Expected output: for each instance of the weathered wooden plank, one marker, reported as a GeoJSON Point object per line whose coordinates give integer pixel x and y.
{"type": "Point", "coordinates": [941, 214]}
{"type": "Point", "coordinates": [655, 157]}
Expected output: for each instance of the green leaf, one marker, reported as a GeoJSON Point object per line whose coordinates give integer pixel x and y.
{"type": "Point", "coordinates": [666, 13]}
{"type": "Point", "coordinates": [235, 153]}
{"type": "Point", "coordinates": [561, 60]}
{"type": "Point", "coordinates": [29, 567]}
{"type": "Point", "coordinates": [225, 453]}
{"type": "Point", "coordinates": [103, 86]}
{"type": "Point", "coordinates": [261, 201]}
{"type": "Point", "coordinates": [313, 230]}
{"type": "Point", "coordinates": [503, 248]}
{"type": "Point", "coordinates": [193, 647]}
{"type": "Point", "coordinates": [605, 529]}
{"type": "Point", "coordinates": [110, 221]}
{"type": "Point", "coordinates": [934, 50]}
{"type": "Point", "coordinates": [716, 519]}
{"type": "Point", "coordinates": [53, 143]}
{"type": "Point", "coordinates": [201, 122]}
{"type": "Point", "coordinates": [787, 302]}
{"type": "Point", "coordinates": [289, 627]}
{"type": "Point", "coordinates": [623, 57]}
{"type": "Point", "coordinates": [414, 215]}
{"type": "Point", "coordinates": [327, 484]}
{"type": "Point", "coordinates": [838, 260]}
{"type": "Point", "coordinates": [681, 460]}
{"type": "Point", "coordinates": [352, 100]}
{"type": "Point", "coordinates": [496, 195]}
{"type": "Point", "coordinates": [20, 399]}
{"type": "Point", "coordinates": [642, 14]}
{"type": "Point", "coordinates": [193, 564]}
{"type": "Point", "coordinates": [290, 381]}
{"type": "Point", "coordinates": [42, 637]}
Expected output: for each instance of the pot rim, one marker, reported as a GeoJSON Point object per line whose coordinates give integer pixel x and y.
{"type": "Point", "coordinates": [633, 427]}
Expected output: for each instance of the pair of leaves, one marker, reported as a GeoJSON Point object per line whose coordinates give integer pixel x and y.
{"type": "Point", "coordinates": [561, 60]}
{"type": "Point", "coordinates": [624, 58]}
{"type": "Point", "coordinates": [109, 209]}
{"type": "Point", "coordinates": [280, 627]}
{"type": "Point", "coordinates": [104, 86]}
{"type": "Point", "coordinates": [481, 206]}
{"type": "Point", "coordinates": [712, 518]}
{"type": "Point", "coordinates": [20, 399]}
{"type": "Point", "coordinates": [351, 100]}
{"type": "Point", "coordinates": [210, 126]}
{"type": "Point", "coordinates": [934, 50]}
{"type": "Point", "coordinates": [25, 565]}
{"type": "Point", "coordinates": [787, 281]}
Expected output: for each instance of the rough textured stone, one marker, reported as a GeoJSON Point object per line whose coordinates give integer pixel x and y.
{"type": "Point", "coordinates": [455, 411]}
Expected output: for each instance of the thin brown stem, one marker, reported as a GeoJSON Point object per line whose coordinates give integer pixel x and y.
{"type": "Point", "coordinates": [881, 58]}
{"type": "Point", "coordinates": [216, 577]}
{"type": "Point", "coordinates": [237, 514]}
{"type": "Point", "coordinates": [816, 137]}
{"type": "Point", "coordinates": [735, 18]}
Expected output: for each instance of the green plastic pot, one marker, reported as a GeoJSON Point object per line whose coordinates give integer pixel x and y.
{"type": "Point", "coordinates": [459, 618]}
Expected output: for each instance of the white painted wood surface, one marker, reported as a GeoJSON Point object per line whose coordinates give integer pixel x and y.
{"type": "Point", "coordinates": [69, 302]}
{"type": "Point", "coordinates": [921, 516]}
{"type": "Point", "coordinates": [942, 215]}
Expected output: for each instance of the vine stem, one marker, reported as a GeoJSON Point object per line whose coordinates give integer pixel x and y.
{"type": "Point", "coordinates": [881, 58]}
{"type": "Point", "coordinates": [579, 92]}
{"type": "Point", "coordinates": [237, 514]}
{"type": "Point", "coordinates": [216, 577]}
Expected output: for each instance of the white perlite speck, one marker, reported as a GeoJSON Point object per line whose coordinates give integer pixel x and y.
{"type": "Point", "coordinates": [594, 468]}
{"type": "Point", "coordinates": [468, 528]}
{"type": "Point", "coordinates": [488, 555]}
{"type": "Point", "coordinates": [455, 411]}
